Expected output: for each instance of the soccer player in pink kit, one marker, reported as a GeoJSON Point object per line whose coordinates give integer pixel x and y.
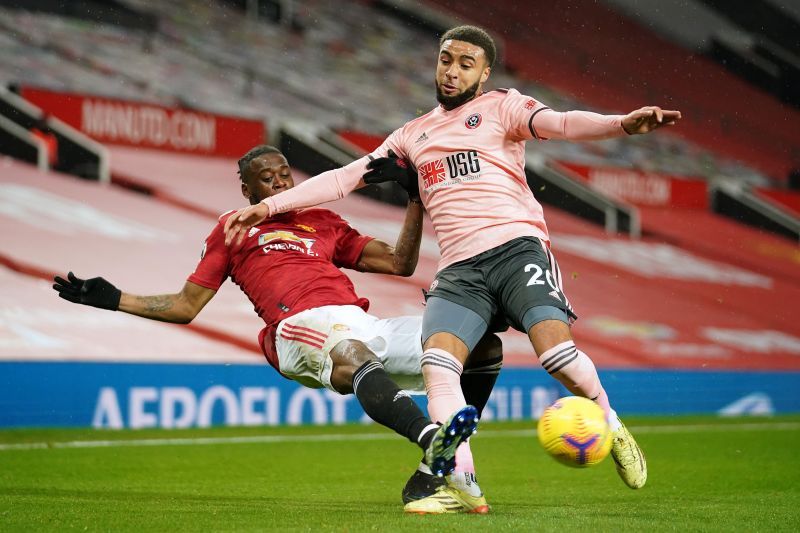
{"type": "Point", "coordinates": [496, 259]}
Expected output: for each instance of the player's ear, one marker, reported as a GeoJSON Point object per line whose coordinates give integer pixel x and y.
{"type": "Point", "coordinates": [245, 191]}
{"type": "Point", "coordinates": [485, 75]}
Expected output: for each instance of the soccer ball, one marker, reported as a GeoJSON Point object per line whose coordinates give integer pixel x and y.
{"type": "Point", "coordinates": [574, 431]}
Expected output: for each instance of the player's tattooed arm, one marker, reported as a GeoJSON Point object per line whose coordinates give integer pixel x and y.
{"type": "Point", "coordinates": [400, 259]}
{"type": "Point", "coordinates": [157, 304]}
{"type": "Point", "coordinates": [179, 308]}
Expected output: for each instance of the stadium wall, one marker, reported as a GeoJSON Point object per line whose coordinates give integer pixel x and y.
{"type": "Point", "coordinates": [639, 188]}
{"type": "Point", "coordinates": [149, 125]}
{"type": "Point", "coordinates": [133, 395]}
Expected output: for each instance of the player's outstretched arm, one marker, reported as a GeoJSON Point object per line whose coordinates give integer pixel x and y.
{"type": "Point", "coordinates": [400, 260]}
{"type": "Point", "coordinates": [588, 126]}
{"type": "Point", "coordinates": [179, 308]}
{"type": "Point", "coordinates": [326, 187]}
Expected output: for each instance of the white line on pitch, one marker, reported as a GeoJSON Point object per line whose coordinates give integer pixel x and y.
{"type": "Point", "coordinates": [269, 439]}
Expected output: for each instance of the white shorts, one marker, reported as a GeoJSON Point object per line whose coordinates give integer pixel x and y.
{"type": "Point", "coordinates": [304, 341]}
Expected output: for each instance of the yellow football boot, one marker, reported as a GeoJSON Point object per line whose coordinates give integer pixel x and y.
{"type": "Point", "coordinates": [448, 500]}
{"type": "Point", "coordinates": [628, 458]}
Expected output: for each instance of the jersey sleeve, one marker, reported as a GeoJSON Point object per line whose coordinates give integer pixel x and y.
{"type": "Point", "coordinates": [517, 112]}
{"type": "Point", "coordinates": [212, 270]}
{"type": "Point", "coordinates": [527, 118]}
{"type": "Point", "coordinates": [349, 245]}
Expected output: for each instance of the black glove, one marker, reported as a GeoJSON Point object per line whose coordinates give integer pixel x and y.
{"type": "Point", "coordinates": [392, 168]}
{"type": "Point", "coordinates": [96, 292]}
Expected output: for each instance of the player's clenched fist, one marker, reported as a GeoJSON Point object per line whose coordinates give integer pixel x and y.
{"type": "Point", "coordinates": [646, 119]}
{"type": "Point", "coordinates": [240, 222]}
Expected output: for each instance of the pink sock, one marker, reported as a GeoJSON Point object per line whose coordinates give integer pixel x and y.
{"type": "Point", "coordinates": [575, 370]}
{"type": "Point", "coordinates": [464, 461]}
{"type": "Point", "coordinates": [442, 374]}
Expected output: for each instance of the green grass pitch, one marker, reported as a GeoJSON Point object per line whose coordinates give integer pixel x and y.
{"type": "Point", "coordinates": [705, 474]}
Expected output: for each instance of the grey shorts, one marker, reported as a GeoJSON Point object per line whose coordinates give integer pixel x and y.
{"type": "Point", "coordinates": [517, 284]}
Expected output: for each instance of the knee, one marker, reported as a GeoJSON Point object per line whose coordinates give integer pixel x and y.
{"type": "Point", "coordinates": [548, 334]}
{"type": "Point", "coordinates": [347, 357]}
{"type": "Point", "coordinates": [351, 353]}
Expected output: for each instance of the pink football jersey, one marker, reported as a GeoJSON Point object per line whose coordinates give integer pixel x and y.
{"type": "Point", "coordinates": [471, 168]}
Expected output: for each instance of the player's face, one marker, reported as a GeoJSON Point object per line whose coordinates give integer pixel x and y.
{"type": "Point", "coordinates": [460, 72]}
{"type": "Point", "coordinates": [267, 175]}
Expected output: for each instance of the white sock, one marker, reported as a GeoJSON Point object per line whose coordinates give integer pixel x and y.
{"type": "Point", "coordinates": [466, 482]}
{"type": "Point", "coordinates": [425, 469]}
{"type": "Point", "coordinates": [613, 420]}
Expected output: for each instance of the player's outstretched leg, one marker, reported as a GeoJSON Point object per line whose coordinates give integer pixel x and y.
{"type": "Point", "coordinates": [576, 371]}
{"type": "Point", "coordinates": [477, 382]}
{"type": "Point", "coordinates": [385, 403]}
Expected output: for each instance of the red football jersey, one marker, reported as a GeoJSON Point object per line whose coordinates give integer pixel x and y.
{"type": "Point", "coordinates": [285, 265]}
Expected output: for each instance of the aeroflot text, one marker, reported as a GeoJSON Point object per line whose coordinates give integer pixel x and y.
{"type": "Point", "coordinates": [183, 407]}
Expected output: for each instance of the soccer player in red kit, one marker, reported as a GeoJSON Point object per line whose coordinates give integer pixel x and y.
{"type": "Point", "coordinates": [470, 156]}
{"type": "Point", "coordinates": [317, 330]}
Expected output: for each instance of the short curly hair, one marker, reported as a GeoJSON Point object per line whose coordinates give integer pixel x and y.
{"type": "Point", "coordinates": [473, 35]}
{"type": "Point", "coordinates": [251, 154]}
